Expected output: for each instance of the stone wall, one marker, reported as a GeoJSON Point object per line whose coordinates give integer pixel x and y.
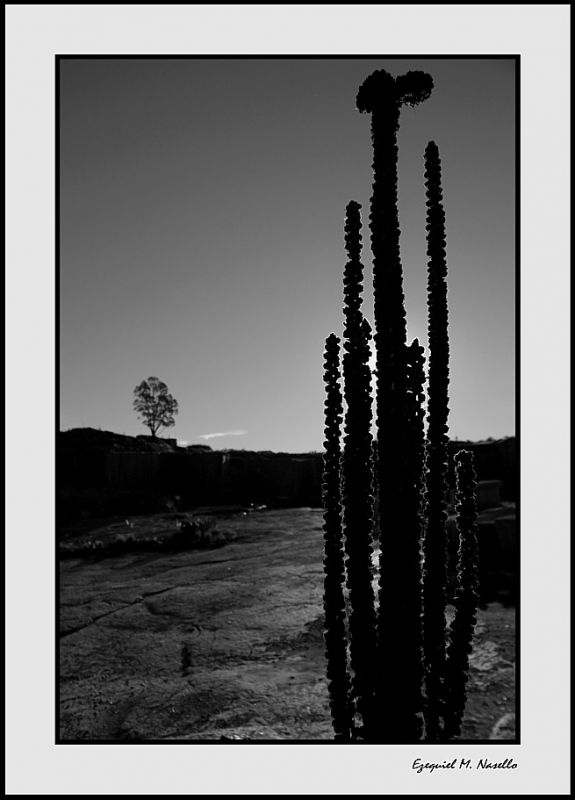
{"type": "Point", "coordinates": [195, 477]}
{"type": "Point", "coordinates": [198, 477]}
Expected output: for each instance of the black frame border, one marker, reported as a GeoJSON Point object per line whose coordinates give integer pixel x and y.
{"type": "Point", "coordinates": [58, 58]}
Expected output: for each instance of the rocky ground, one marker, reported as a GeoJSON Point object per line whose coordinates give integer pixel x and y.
{"type": "Point", "coordinates": [225, 643]}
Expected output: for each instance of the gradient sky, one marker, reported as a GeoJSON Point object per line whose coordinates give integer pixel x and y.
{"type": "Point", "coordinates": [202, 208]}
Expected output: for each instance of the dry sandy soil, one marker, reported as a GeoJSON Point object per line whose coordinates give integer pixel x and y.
{"type": "Point", "coordinates": [226, 644]}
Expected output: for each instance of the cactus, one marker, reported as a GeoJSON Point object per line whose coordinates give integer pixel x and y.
{"type": "Point", "coordinates": [356, 476]}
{"type": "Point", "coordinates": [435, 570]}
{"type": "Point", "coordinates": [405, 677]}
{"type": "Point", "coordinates": [466, 597]}
{"type": "Point", "coordinates": [334, 602]}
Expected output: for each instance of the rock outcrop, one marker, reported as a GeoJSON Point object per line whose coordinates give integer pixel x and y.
{"type": "Point", "coordinates": [101, 473]}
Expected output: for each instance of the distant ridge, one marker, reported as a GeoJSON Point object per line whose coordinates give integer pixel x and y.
{"type": "Point", "coordinates": [95, 437]}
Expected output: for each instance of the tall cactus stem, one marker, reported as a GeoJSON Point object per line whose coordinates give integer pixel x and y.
{"type": "Point", "coordinates": [339, 686]}
{"type": "Point", "coordinates": [466, 595]}
{"type": "Point", "coordinates": [356, 477]}
{"type": "Point", "coordinates": [435, 543]}
{"type": "Point", "coordinates": [382, 96]}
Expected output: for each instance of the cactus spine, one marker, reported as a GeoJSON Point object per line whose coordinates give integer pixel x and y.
{"type": "Point", "coordinates": [401, 671]}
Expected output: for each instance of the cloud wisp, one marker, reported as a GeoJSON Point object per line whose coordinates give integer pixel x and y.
{"type": "Point", "coordinates": [239, 432]}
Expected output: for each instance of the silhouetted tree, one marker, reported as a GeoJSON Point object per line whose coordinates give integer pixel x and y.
{"type": "Point", "coordinates": [155, 406]}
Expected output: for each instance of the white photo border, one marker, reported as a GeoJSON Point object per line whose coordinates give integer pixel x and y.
{"type": "Point", "coordinates": [35, 34]}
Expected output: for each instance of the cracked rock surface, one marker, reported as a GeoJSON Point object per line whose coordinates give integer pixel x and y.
{"type": "Point", "coordinates": [226, 644]}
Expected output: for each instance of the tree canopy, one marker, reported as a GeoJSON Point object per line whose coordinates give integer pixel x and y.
{"type": "Point", "coordinates": [154, 405]}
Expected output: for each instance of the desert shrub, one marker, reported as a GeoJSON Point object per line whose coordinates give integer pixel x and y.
{"type": "Point", "coordinates": [191, 534]}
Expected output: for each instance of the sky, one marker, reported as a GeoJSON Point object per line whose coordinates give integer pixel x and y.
{"type": "Point", "coordinates": [202, 206]}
